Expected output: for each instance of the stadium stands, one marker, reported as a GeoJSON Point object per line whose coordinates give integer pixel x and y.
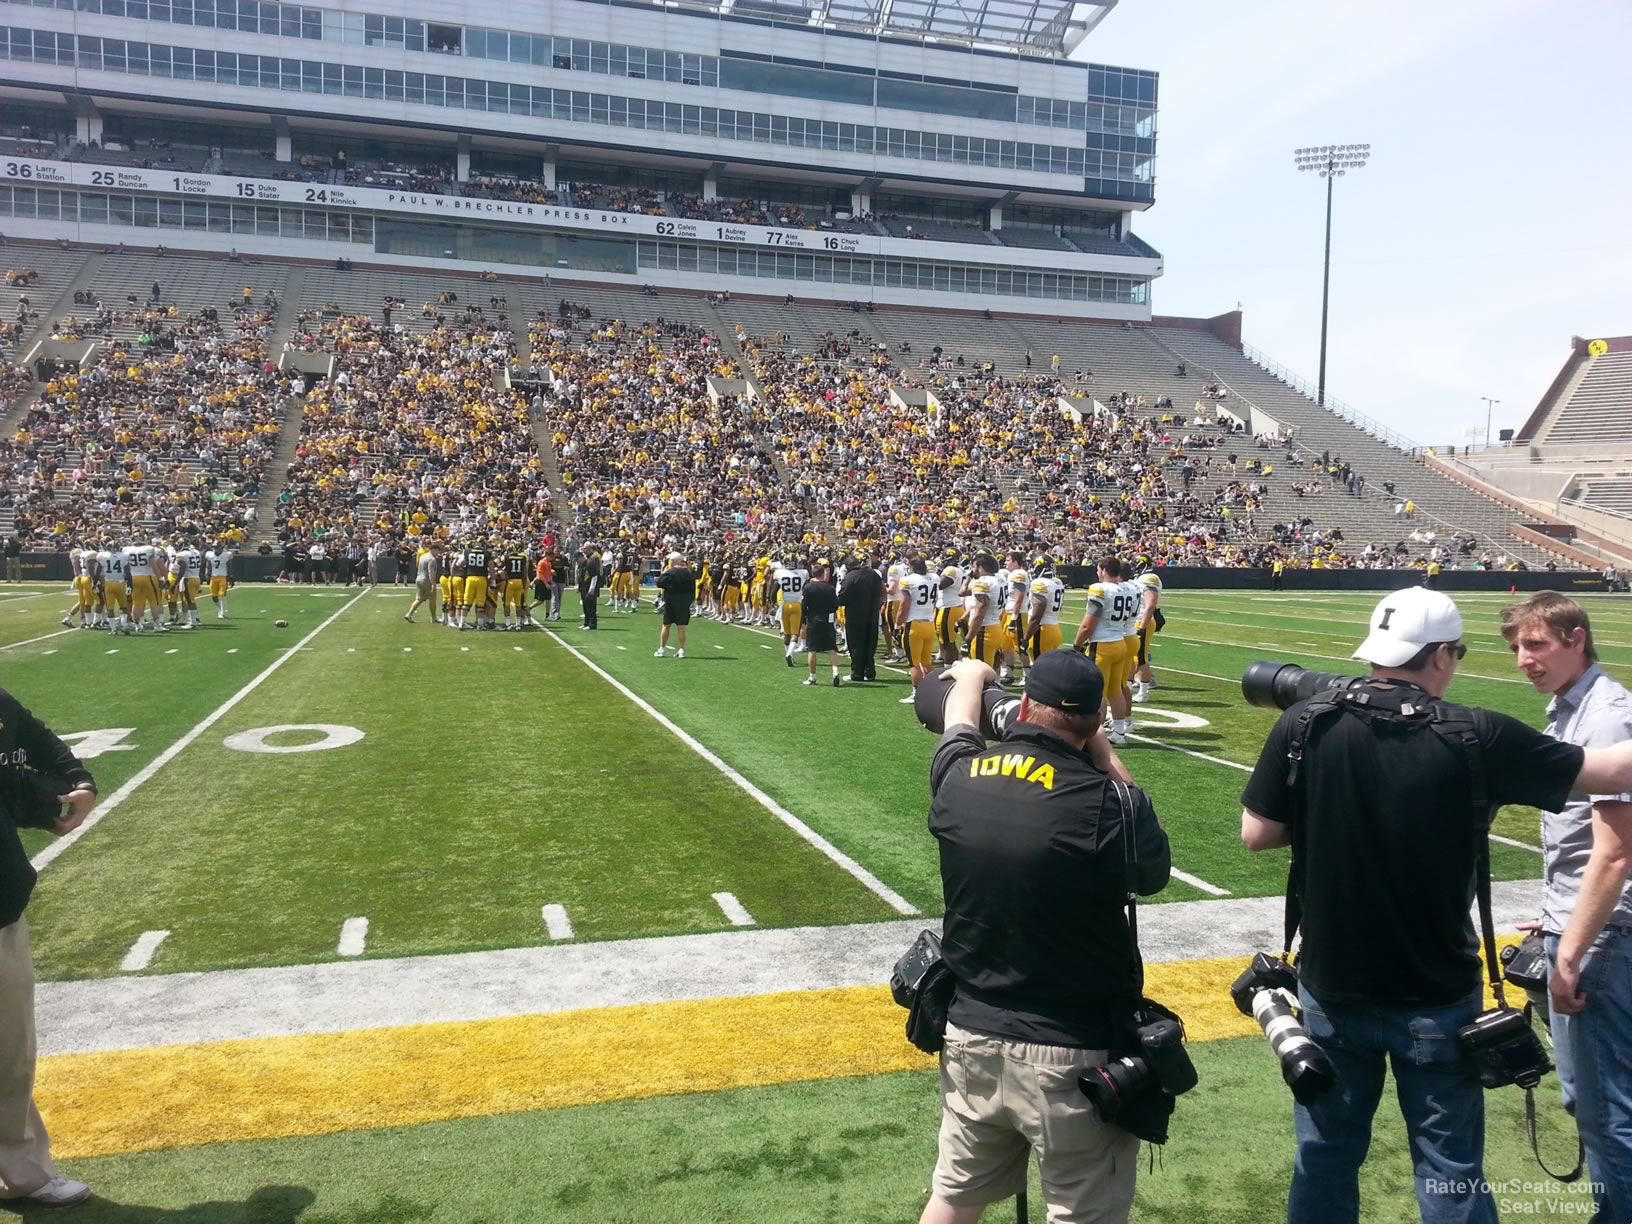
{"type": "Point", "coordinates": [1599, 409]}
{"type": "Point", "coordinates": [854, 424]}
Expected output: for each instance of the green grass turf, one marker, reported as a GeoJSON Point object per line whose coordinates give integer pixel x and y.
{"type": "Point", "coordinates": [497, 774]}
{"type": "Point", "coordinates": [493, 781]}
{"type": "Point", "coordinates": [847, 1151]}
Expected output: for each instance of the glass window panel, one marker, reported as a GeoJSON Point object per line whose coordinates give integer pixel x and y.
{"type": "Point", "coordinates": [146, 212]}
{"type": "Point", "coordinates": [93, 207]}
{"type": "Point", "coordinates": [195, 214]}
{"type": "Point", "coordinates": [170, 214]}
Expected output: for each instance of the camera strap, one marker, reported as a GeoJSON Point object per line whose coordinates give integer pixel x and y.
{"type": "Point", "coordinates": [1130, 864]}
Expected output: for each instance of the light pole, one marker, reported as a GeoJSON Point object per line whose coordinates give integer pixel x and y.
{"type": "Point", "coordinates": [1330, 161]}
{"type": "Point", "coordinates": [1490, 405]}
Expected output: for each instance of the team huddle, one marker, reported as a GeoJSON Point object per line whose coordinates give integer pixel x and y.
{"type": "Point", "coordinates": [477, 586]}
{"type": "Point", "coordinates": [998, 612]}
{"type": "Point", "coordinates": [121, 589]}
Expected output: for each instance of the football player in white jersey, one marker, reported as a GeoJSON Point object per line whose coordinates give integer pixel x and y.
{"type": "Point", "coordinates": [190, 566]}
{"type": "Point", "coordinates": [170, 579]}
{"type": "Point", "coordinates": [952, 586]}
{"type": "Point", "coordinates": [115, 588]}
{"type": "Point", "coordinates": [218, 559]}
{"type": "Point", "coordinates": [915, 613]}
{"type": "Point", "coordinates": [894, 625]}
{"type": "Point", "coordinates": [1102, 637]}
{"type": "Point", "coordinates": [986, 611]}
{"type": "Point", "coordinates": [1148, 622]}
{"type": "Point", "coordinates": [1017, 595]}
{"type": "Point", "coordinates": [1047, 594]}
{"type": "Point", "coordinates": [790, 593]}
{"type": "Point", "coordinates": [79, 581]}
{"type": "Point", "coordinates": [143, 563]}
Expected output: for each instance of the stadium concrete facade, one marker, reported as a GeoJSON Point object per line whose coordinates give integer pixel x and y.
{"type": "Point", "coordinates": [908, 155]}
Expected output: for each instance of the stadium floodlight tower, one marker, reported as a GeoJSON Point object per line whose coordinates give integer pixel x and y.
{"type": "Point", "coordinates": [1330, 162]}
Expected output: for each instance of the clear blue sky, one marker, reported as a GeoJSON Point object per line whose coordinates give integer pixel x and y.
{"type": "Point", "coordinates": [1493, 223]}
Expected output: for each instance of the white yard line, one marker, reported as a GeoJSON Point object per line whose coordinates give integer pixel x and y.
{"type": "Point", "coordinates": [556, 922]}
{"type": "Point", "coordinates": [1212, 890]}
{"type": "Point", "coordinates": [866, 878]}
{"type": "Point", "coordinates": [141, 952]}
{"type": "Point", "coordinates": [44, 637]}
{"type": "Point", "coordinates": [733, 909]}
{"type": "Point", "coordinates": [47, 855]}
{"type": "Point", "coordinates": [1518, 845]}
{"type": "Point", "coordinates": [353, 935]}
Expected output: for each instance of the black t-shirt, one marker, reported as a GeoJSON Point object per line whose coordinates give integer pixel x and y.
{"type": "Point", "coordinates": [679, 586]}
{"type": "Point", "coordinates": [1035, 868]}
{"type": "Point", "coordinates": [1383, 829]}
{"type": "Point", "coordinates": [821, 602]}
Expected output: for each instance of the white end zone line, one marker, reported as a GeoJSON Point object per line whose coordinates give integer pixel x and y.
{"type": "Point", "coordinates": [866, 878]}
{"type": "Point", "coordinates": [141, 952]}
{"type": "Point", "coordinates": [45, 856]}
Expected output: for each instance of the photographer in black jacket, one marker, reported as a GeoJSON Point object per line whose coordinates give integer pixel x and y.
{"type": "Point", "coordinates": [42, 785]}
{"type": "Point", "coordinates": [1036, 836]}
{"type": "Point", "coordinates": [1379, 811]}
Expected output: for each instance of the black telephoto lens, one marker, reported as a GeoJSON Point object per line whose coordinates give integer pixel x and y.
{"type": "Point", "coordinates": [1275, 686]}
{"type": "Point", "coordinates": [997, 708]}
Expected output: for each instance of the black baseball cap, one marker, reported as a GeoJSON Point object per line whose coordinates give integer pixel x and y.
{"type": "Point", "coordinates": [1068, 681]}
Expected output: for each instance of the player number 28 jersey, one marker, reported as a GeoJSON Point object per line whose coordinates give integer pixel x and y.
{"type": "Point", "coordinates": [791, 583]}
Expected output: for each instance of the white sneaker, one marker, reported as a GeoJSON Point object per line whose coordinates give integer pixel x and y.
{"type": "Point", "coordinates": [1116, 738]}
{"type": "Point", "coordinates": [69, 621]}
{"type": "Point", "coordinates": [809, 680]}
{"type": "Point", "coordinates": [1139, 695]}
{"type": "Point", "coordinates": [407, 618]}
{"type": "Point", "coordinates": [906, 701]}
{"type": "Point", "coordinates": [60, 1192]}
{"type": "Point", "coordinates": [681, 653]}
{"type": "Point", "coordinates": [660, 653]}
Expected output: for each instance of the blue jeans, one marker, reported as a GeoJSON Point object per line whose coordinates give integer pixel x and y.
{"type": "Point", "coordinates": [1593, 1049]}
{"type": "Point", "coordinates": [1440, 1098]}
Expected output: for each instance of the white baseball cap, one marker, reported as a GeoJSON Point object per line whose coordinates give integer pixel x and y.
{"type": "Point", "coordinates": [1406, 621]}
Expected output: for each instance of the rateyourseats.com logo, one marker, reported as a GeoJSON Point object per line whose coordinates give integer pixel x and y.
{"type": "Point", "coordinates": [1527, 1198]}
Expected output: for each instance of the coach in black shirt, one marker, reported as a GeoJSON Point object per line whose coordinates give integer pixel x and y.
{"type": "Point", "coordinates": [1042, 837]}
{"type": "Point", "coordinates": [1380, 819]}
{"type": "Point", "coordinates": [589, 585]}
{"type": "Point", "coordinates": [862, 597]}
{"type": "Point", "coordinates": [678, 586]}
{"type": "Point", "coordinates": [821, 626]}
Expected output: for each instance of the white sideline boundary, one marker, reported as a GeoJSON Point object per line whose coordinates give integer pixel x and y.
{"type": "Point", "coordinates": [48, 855]}
{"type": "Point", "coordinates": [849, 865]}
{"type": "Point", "coordinates": [1194, 881]}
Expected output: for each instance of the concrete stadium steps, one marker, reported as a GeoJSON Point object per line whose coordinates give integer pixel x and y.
{"type": "Point", "coordinates": [277, 468]}
{"type": "Point", "coordinates": [1597, 408]}
{"type": "Point", "coordinates": [58, 270]}
{"type": "Point", "coordinates": [364, 292]}
{"type": "Point", "coordinates": [1608, 495]}
{"type": "Point", "coordinates": [1441, 504]}
{"type": "Point", "coordinates": [191, 284]}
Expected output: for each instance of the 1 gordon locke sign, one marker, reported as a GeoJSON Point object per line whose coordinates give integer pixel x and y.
{"type": "Point", "coordinates": [27, 172]}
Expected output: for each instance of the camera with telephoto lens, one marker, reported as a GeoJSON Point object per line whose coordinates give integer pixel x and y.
{"type": "Point", "coordinates": [1275, 686]}
{"type": "Point", "coordinates": [998, 709]}
{"type": "Point", "coordinates": [1267, 991]}
{"type": "Point", "coordinates": [1136, 1090]}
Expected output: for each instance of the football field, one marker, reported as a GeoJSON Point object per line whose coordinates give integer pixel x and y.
{"type": "Point", "coordinates": [369, 909]}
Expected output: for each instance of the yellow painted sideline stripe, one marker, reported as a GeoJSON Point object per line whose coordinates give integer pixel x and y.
{"type": "Point", "coordinates": [278, 1087]}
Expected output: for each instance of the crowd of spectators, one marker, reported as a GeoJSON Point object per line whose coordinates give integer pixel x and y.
{"type": "Point", "coordinates": [414, 435]}
{"type": "Point", "coordinates": [166, 430]}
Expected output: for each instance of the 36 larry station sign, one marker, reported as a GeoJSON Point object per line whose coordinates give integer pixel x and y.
{"type": "Point", "coordinates": [432, 207]}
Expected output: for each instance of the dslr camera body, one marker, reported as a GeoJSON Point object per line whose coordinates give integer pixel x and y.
{"type": "Point", "coordinates": [1136, 1090]}
{"type": "Point", "coordinates": [1504, 1048]}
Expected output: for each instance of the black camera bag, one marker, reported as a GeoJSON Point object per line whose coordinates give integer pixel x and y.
{"type": "Point", "coordinates": [922, 983]}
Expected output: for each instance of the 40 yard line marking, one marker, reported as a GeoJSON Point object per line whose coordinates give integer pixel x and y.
{"type": "Point", "coordinates": [47, 855]}
{"type": "Point", "coordinates": [866, 878]}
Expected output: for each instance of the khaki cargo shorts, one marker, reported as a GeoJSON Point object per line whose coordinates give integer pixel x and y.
{"type": "Point", "coordinates": [1001, 1100]}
